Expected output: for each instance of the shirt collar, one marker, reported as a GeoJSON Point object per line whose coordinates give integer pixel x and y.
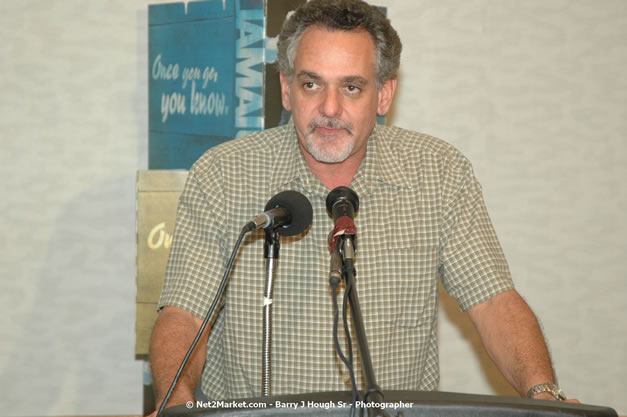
{"type": "Point", "coordinates": [389, 166]}
{"type": "Point", "coordinates": [290, 165]}
{"type": "Point", "coordinates": [381, 165]}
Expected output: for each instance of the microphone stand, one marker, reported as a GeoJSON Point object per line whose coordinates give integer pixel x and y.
{"type": "Point", "coordinates": [271, 256]}
{"type": "Point", "coordinates": [373, 392]}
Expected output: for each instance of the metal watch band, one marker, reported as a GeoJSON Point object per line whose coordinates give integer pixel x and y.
{"type": "Point", "coordinates": [549, 387]}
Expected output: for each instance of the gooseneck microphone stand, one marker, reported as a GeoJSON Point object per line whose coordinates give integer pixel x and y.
{"type": "Point", "coordinates": [343, 203]}
{"type": "Point", "coordinates": [293, 215]}
{"type": "Point", "coordinates": [373, 392]}
{"type": "Point", "coordinates": [271, 255]}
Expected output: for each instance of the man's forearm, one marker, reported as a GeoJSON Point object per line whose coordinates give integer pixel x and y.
{"type": "Point", "coordinates": [172, 335]}
{"type": "Point", "coordinates": [513, 338]}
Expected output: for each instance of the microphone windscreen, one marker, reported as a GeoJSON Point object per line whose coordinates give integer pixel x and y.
{"type": "Point", "coordinates": [342, 194]}
{"type": "Point", "coordinates": [299, 208]}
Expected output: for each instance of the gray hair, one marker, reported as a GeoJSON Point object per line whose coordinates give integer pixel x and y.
{"type": "Point", "coordinates": [342, 15]}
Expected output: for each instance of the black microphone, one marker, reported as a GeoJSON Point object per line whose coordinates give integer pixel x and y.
{"type": "Point", "coordinates": [342, 203]}
{"type": "Point", "coordinates": [288, 211]}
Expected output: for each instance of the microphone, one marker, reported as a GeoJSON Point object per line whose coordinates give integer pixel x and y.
{"type": "Point", "coordinates": [342, 203]}
{"type": "Point", "coordinates": [288, 211]}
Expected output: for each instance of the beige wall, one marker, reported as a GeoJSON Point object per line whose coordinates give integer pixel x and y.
{"type": "Point", "coordinates": [534, 92]}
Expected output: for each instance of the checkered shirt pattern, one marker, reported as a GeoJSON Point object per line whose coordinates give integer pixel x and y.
{"type": "Point", "coordinates": [421, 217]}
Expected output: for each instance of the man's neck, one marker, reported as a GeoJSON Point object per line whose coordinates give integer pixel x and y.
{"type": "Point", "coordinates": [337, 174]}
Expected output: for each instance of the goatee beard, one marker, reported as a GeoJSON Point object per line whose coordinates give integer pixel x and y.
{"type": "Point", "coordinates": [322, 153]}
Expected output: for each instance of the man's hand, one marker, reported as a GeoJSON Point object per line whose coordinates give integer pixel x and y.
{"type": "Point", "coordinates": [549, 397]}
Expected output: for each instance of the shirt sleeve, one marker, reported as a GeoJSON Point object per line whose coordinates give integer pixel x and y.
{"type": "Point", "coordinates": [473, 267]}
{"type": "Point", "coordinates": [195, 264]}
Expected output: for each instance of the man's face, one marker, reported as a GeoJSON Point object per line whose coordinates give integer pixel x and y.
{"type": "Point", "coordinates": [333, 94]}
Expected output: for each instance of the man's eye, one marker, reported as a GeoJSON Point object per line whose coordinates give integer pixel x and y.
{"type": "Point", "coordinates": [309, 85]}
{"type": "Point", "coordinates": [353, 89]}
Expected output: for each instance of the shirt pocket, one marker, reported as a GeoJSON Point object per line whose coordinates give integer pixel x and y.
{"type": "Point", "coordinates": [401, 280]}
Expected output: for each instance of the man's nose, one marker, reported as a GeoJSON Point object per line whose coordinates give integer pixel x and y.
{"type": "Point", "coordinates": [331, 105]}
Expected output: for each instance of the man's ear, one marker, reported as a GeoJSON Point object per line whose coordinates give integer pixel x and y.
{"type": "Point", "coordinates": [285, 92]}
{"type": "Point", "coordinates": [386, 94]}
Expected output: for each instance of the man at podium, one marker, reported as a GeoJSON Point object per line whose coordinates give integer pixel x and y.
{"type": "Point", "coordinates": [421, 218]}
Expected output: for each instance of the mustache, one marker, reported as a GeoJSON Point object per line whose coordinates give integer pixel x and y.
{"type": "Point", "coordinates": [330, 123]}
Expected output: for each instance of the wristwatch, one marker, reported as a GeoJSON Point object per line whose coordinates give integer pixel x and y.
{"type": "Point", "coordinates": [549, 387]}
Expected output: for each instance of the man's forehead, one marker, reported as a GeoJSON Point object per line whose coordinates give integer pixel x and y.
{"type": "Point", "coordinates": [321, 50]}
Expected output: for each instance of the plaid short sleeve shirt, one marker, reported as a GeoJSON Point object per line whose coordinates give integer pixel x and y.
{"type": "Point", "coordinates": [421, 217]}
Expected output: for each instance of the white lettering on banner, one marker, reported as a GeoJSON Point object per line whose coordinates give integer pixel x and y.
{"type": "Point", "coordinates": [209, 75]}
{"type": "Point", "coordinates": [172, 104]}
{"type": "Point", "coordinates": [164, 72]}
{"type": "Point", "coordinates": [249, 72]}
{"type": "Point", "coordinates": [158, 237]}
{"type": "Point", "coordinates": [190, 74]}
{"type": "Point", "coordinates": [201, 103]}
